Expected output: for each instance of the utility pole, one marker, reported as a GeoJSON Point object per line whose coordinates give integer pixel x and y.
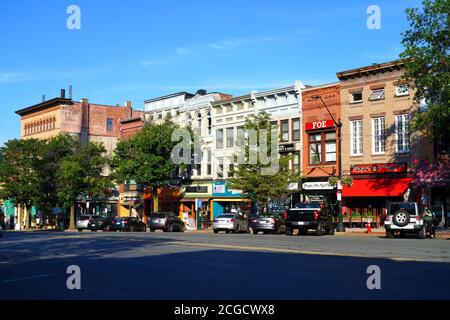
{"type": "Point", "coordinates": [338, 124]}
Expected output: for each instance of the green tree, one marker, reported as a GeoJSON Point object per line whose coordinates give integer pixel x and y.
{"type": "Point", "coordinates": [427, 64]}
{"type": "Point", "coordinates": [80, 173]}
{"type": "Point", "coordinates": [147, 157]}
{"type": "Point", "coordinates": [250, 177]}
{"type": "Point", "coordinates": [19, 175]}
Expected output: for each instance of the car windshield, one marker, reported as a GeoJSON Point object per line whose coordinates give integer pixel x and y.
{"type": "Point", "coordinates": [308, 206]}
{"type": "Point", "coordinates": [409, 207]}
{"type": "Point", "coordinates": [226, 216]}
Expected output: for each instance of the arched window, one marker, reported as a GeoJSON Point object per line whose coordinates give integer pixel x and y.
{"type": "Point", "coordinates": [199, 122]}
{"type": "Point", "coordinates": [209, 120]}
{"type": "Point", "coordinates": [189, 120]}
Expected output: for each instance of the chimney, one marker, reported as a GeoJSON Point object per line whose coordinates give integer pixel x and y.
{"type": "Point", "coordinates": [201, 92]}
{"type": "Point", "coordinates": [84, 101]}
{"type": "Point", "coordinates": [128, 103]}
{"type": "Point", "coordinates": [63, 93]}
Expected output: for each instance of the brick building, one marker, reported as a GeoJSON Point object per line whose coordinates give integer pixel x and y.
{"type": "Point", "coordinates": [83, 120]}
{"type": "Point", "coordinates": [320, 158]}
{"type": "Point", "coordinates": [379, 150]}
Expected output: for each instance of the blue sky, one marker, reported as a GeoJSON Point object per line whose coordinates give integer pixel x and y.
{"type": "Point", "coordinates": [137, 49]}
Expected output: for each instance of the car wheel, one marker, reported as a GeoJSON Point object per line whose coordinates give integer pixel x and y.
{"type": "Point", "coordinates": [289, 231]}
{"type": "Point", "coordinates": [170, 228]}
{"type": "Point", "coordinates": [152, 230]}
{"type": "Point", "coordinates": [80, 230]}
{"type": "Point", "coordinates": [402, 234]}
{"type": "Point", "coordinates": [216, 231]}
{"type": "Point", "coordinates": [320, 230]}
{"type": "Point", "coordinates": [422, 233]}
{"type": "Point", "coordinates": [330, 231]}
{"type": "Point", "coordinates": [93, 230]}
{"type": "Point", "coordinates": [389, 234]}
{"type": "Point", "coordinates": [255, 231]}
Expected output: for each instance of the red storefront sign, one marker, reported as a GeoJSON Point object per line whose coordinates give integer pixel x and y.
{"type": "Point", "coordinates": [316, 125]}
{"type": "Point", "coordinates": [378, 168]}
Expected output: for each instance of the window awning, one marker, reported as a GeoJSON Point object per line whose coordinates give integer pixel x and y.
{"type": "Point", "coordinates": [382, 187]}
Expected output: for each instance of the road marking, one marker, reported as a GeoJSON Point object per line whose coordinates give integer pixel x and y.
{"type": "Point", "coordinates": [29, 278]}
{"type": "Point", "coordinates": [295, 251]}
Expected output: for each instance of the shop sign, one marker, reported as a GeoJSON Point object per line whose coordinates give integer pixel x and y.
{"type": "Point", "coordinates": [285, 148]}
{"type": "Point", "coordinates": [9, 207]}
{"type": "Point", "coordinates": [221, 189]}
{"type": "Point", "coordinates": [317, 125]}
{"type": "Point", "coordinates": [317, 186]}
{"type": "Point", "coordinates": [377, 168]}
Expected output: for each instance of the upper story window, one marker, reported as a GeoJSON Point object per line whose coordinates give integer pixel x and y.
{"type": "Point", "coordinates": [219, 138]}
{"type": "Point", "coordinates": [296, 129]}
{"type": "Point", "coordinates": [320, 144]}
{"type": "Point", "coordinates": [230, 137]}
{"type": "Point", "coordinates": [402, 132]}
{"type": "Point", "coordinates": [285, 131]}
{"type": "Point", "coordinates": [199, 122]}
{"type": "Point", "coordinates": [402, 90]}
{"type": "Point", "coordinates": [378, 135]}
{"type": "Point", "coordinates": [189, 120]}
{"type": "Point", "coordinates": [356, 137]}
{"type": "Point", "coordinates": [377, 94]}
{"type": "Point", "coordinates": [356, 97]}
{"type": "Point", "coordinates": [209, 120]}
{"type": "Point", "coordinates": [109, 124]}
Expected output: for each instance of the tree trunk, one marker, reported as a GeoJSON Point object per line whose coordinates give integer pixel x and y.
{"type": "Point", "coordinates": [27, 219]}
{"type": "Point", "coordinates": [72, 217]}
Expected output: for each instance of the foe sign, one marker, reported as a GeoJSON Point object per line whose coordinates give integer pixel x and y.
{"type": "Point", "coordinates": [316, 125]}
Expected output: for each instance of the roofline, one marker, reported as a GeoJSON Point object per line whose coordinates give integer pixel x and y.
{"type": "Point", "coordinates": [374, 68]}
{"type": "Point", "coordinates": [232, 99]}
{"type": "Point", "coordinates": [131, 119]}
{"type": "Point", "coordinates": [321, 86]}
{"type": "Point", "coordinates": [170, 96]}
{"type": "Point", "coordinates": [43, 105]}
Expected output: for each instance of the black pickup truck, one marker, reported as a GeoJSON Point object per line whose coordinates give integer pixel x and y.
{"type": "Point", "coordinates": [307, 216]}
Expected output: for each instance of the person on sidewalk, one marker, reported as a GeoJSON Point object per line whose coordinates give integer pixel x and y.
{"type": "Point", "coordinates": [428, 221]}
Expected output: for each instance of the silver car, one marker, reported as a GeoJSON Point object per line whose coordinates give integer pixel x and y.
{"type": "Point", "coordinates": [82, 222]}
{"type": "Point", "coordinates": [230, 222]}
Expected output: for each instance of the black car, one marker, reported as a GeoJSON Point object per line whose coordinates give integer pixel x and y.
{"type": "Point", "coordinates": [100, 223]}
{"type": "Point", "coordinates": [166, 221]}
{"type": "Point", "coordinates": [267, 223]}
{"type": "Point", "coordinates": [306, 216]}
{"type": "Point", "coordinates": [128, 224]}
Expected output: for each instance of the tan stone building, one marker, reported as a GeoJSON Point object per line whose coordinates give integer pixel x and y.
{"type": "Point", "coordinates": [379, 149]}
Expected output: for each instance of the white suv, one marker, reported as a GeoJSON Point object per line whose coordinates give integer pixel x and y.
{"type": "Point", "coordinates": [404, 217]}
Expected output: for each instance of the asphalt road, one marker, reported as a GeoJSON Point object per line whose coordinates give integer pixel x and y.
{"type": "Point", "coordinates": [157, 265]}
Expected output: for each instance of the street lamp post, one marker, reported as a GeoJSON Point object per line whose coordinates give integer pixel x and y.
{"type": "Point", "coordinates": [338, 124]}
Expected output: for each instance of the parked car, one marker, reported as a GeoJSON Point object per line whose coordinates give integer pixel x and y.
{"type": "Point", "coordinates": [83, 221]}
{"type": "Point", "coordinates": [166, 221]}
{"type": "Point", "coordinates": [100, 223]}
{"type": "Point", "coordinates": [404, 218]}
{"type": "Point", "coordinates": [268, 223]}
{"type": "Point", "coordinates": [128, 224]}
{"type": "Point", "coordinates": [306, 216]}
{"type": "Point", "coordinates": [230, 222]}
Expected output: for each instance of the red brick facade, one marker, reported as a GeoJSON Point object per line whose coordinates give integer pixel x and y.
{"type": "Point", "coordinates": [314, 113]}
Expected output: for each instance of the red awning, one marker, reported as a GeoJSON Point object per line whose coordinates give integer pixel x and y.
{"type": "Point", "coordinates": [383, 187]}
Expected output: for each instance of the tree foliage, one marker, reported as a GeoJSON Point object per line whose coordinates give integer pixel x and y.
{"type": "Point", "coordinates": [147, 157]}
{"type": "Point", "coordinates": [250, 177]}
{"type": "Point", "coordinates": [427, 63]}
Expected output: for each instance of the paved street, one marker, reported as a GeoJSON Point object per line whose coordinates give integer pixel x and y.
{"type": "Point", "coordinates": [220, 266]}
